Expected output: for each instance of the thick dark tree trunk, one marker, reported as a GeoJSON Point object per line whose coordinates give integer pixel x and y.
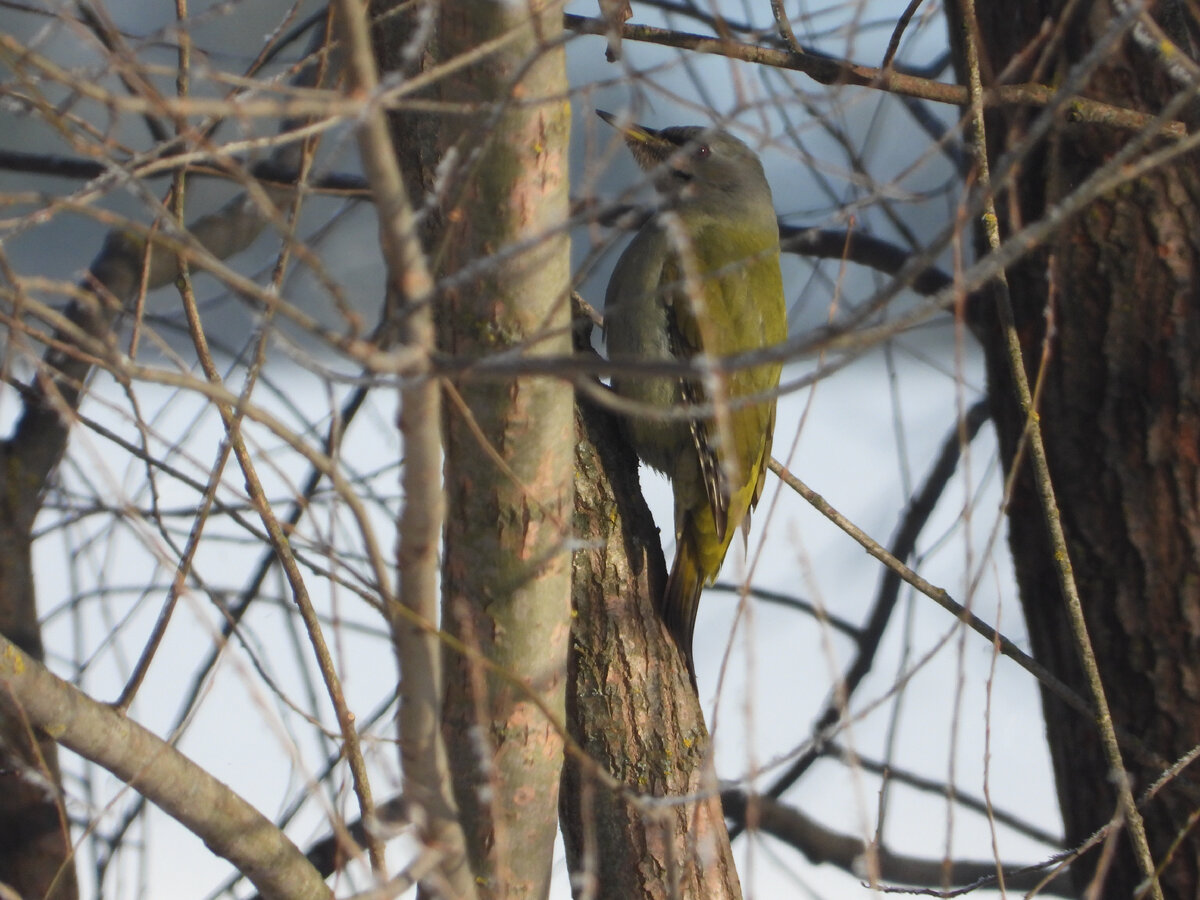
{"type": "Point", "coordinates": [1120, 414]}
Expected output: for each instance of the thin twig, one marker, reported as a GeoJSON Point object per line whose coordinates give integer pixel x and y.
{"type": "Point", "coordinates": [869, 637]}
{"type": "Point", "coordinates": [940, 596]}
{"type": "Point", "coordinates": [901, 24]}
{"type": "Point", "coordinates": [231, 416]}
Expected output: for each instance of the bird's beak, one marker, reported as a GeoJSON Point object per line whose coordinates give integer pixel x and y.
{"type": "Point", "coordinates": [648, 146]}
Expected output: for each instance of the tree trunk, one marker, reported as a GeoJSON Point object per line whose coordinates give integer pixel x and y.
{"type": "Point", "coordinates": [1120, 415]}
{"type": "Point", "coordinates": [631, 705]}
{"type": "Point", "coordinates": [505, 283]}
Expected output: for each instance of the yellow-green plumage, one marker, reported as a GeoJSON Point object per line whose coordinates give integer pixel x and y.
{"type": "Point", "coordinates": [701, 279]}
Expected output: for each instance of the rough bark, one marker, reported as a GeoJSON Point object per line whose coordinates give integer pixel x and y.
{"type": "Point", "coordinates": [631, 706]}
{"type": "Point", "coordinates": [505, 278]}
{"type": "Point", "coordinates": [1120, 414]}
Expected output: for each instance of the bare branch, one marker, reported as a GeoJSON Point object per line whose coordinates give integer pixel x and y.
{"type": "Point", "coordinates": [229, 825]}
{"type": "Point", "coordinates": [823, 845]}
{"type": "Point", "coordinates": [830, 71]}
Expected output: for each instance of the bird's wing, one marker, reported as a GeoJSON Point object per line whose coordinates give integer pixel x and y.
{"type": "Point", "coordinates": [735, 324]}
{"type": "Point", "coordinates": [687, 338]}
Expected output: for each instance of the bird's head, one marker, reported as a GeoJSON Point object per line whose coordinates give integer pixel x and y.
{"type": "Point", "coordinates": [698, 168]}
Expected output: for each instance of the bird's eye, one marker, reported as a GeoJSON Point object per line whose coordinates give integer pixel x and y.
{"type": "Point", "coordinates": [703, 151]}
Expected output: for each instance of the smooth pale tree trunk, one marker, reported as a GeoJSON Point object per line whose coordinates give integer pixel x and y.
{"type": "Point", "coordinates": [504, 283]}
{"type": "Point", "coordinates": [1120, 414]}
